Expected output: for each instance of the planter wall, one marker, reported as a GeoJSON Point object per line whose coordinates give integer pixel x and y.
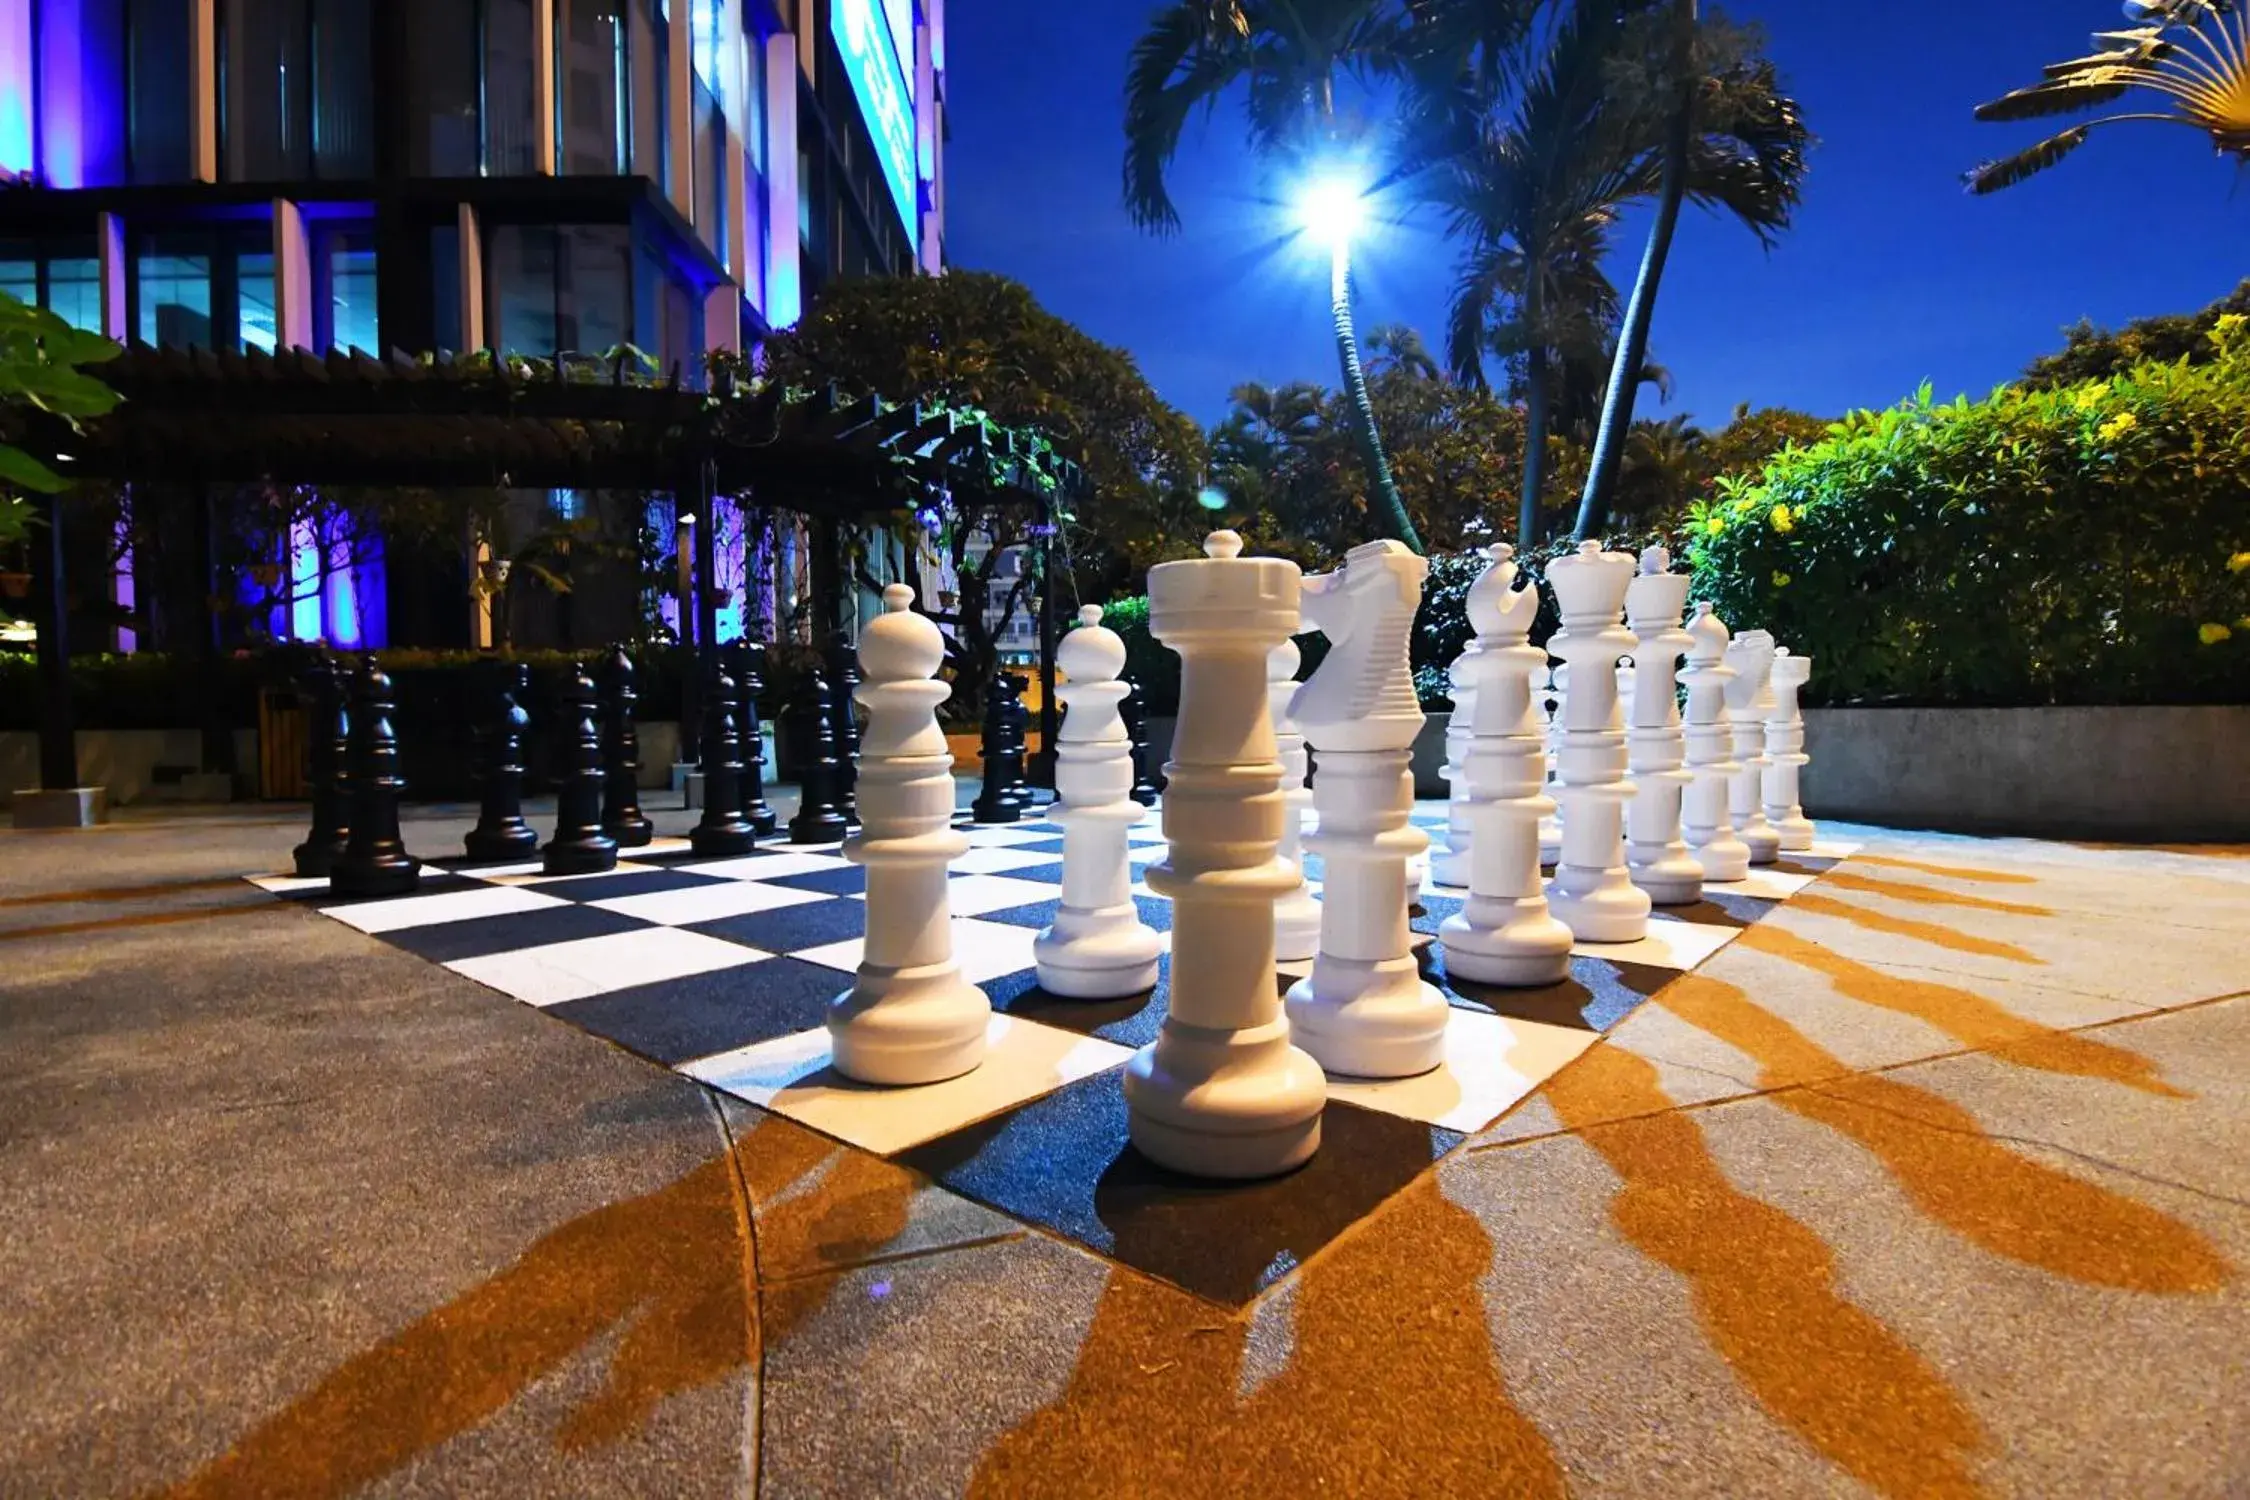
{"type": "Point", "coordinates": [2163, 775]}
{"type": "Point", "coordinates": [126, 761]}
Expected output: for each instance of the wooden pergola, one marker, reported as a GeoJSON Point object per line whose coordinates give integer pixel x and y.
{"type": "Point", "coordinates": [197, 417]}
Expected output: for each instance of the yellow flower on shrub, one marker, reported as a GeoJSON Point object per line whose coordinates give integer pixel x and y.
{"type": "Point", "coordinates": [2212, 634]}
{"type": "Point", "coordinates": [2239, 563]}
{"type": "Point", "coordinates": [1781, 580]}
{"type": "Point", "coordinates": [1783, 520]}
{"type": "Point", "coordinates": [2089, 397]}
{"type": "Point", "coordinates": [2117, 426]}
{"type": "Point", "coordinates": [1716, 525]}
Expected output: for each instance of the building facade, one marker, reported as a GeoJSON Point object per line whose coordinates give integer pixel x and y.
{"type": "Point", "coordinates": [530, 176]}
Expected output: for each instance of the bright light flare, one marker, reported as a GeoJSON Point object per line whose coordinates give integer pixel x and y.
{"type": "Point", "coordinates": [1332, 211]}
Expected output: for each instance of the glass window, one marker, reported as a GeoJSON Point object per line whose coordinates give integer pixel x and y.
{"type": "Point", "coordinates": [344, 290]}
{"type": "Point", "coordinates": [511, 129]}
{"type": "Point", "coordinates": [173, 279]}
{"type": "Point", "coordinates": [590, 83]}
{"type": "Point", "coordinates": [156, 90]}
{"type": "Point", "coordinates": [19, 271]}
{"type": "Point", "coordinates": [648, 56]}
{"type": "Point", "coordinates": [754, 112]}
{"type": "Point", "coordinates": [254, 294]}
{"type": "Point", "coordinates": [441, 88]}
{"type": "Point", "coordinates": [343, 115]}
{"type": "Point", "coordinates": [265, 62]}
{"type": "Point", "coordinates": [710, 177]}
{"type": "Point", "coordinates": [445, 288]}
{"type": "Point", "coordinates": [594, 288]}
{"type": "Point", "coordinates": [520, 307]}
{"type": "Point", "coordinates": [74, 291]}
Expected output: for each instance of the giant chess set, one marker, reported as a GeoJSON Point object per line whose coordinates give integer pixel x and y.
{"type": "Point", "coordinates": [1109, 1020]}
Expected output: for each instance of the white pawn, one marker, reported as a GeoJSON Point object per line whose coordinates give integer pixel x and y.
{"type": "Point", "coordinates": [1296, 916]}
{"type": "Point", "coordinates": [1785, 750]}
{"type": "Point", "coordinates": [1098, 949]}
{"type": "Point", "coordinates": [1749, 698]}
{"type": "Point", "coordinates": [1655, 853]}
{"type": "Point", "coordinates": [910, 1017]}
{"type": "Point", "coordinates": [1365, 1009]}
{"type": "Point", "coordinates": [1221, 1092]}
{"type": "Point", "coordinates": [1550, 736]}
{"type": "Point", "coordinates": [1504, 933]}
{"type": "Point", "coordinates": [1592, 891]}
{"type": "Point", "coordinates": [1449, 863]}
{"type": "Point", "coordinates": [1705, 822]}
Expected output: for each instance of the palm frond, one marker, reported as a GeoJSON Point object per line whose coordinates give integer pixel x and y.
{"type": "Point", "coordinates": [1190, 53]}
{"type": "Point", "coordinates": [2063, 96]}
{"type": "Point", "coordinates": [1992, 176]}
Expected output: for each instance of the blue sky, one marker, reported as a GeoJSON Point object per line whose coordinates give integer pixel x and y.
{"type": "Point", "coordinates": [1892, 275]}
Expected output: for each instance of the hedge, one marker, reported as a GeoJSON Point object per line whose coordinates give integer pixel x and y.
{"type": "Point", "coordinates": [2082, 545]}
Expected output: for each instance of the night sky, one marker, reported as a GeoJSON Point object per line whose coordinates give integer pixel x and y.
{"type": "Point", "coordinates": [1892, 275]}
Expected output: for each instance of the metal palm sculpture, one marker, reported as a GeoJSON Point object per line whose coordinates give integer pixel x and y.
{"type": "Point", "coordinates": [2195, 54]}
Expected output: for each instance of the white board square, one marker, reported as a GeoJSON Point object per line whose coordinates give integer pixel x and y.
{"type": "Point", "coordinates": [557, 972]}
{"type": "Point", "coordinates": [442, 906]}
{"type": "Point", "coordinates": [1490, 1063]}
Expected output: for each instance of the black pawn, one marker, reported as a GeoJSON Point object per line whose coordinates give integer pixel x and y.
{"type": "Point", "coordinates": [1019, 743]}
{"type": "Point", "coordinates": [325, 749]}
{"type": "Point", "coordinates": [501, 834]}
{"type": "Point", "coordinates": [374, 861]}
{"type": "Point", "coordinates": [622, 818]}
{"type": "Point", "coordinates": [818, 820]}
{"type": "Point", "coordinates": [843, 676]}
{"type": "Point", "coordinates": [1003, 755]}
{"type": "Point", "coordinates": [579, 846]}
{"type": "Point", "coordinates": [1148, 778]}
{"type": "Point", "coordinates": [749, 682]}
{"type": "Point", "coordinates": [722, 829]}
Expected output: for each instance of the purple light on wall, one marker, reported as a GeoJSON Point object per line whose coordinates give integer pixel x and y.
{"type": "Point", "coordinates": [62, 156]}
{"type": "Point", "coordinates": [121, 586]}
{"type": "Point", "coordinates": [369, 616]}
{"type": "Point", "coordinates": [727, 566]}
{"type": "Point", "coordinates": [304, 583]}
{"type": "Point", "coordinates": [342, 598]}
{"type": "Point", "coordinates": [15, 87]}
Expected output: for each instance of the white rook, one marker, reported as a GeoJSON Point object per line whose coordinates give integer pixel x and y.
{"type": "Point", "coordinates": [1655, 853]}
{"type": "Point", "coordinates": [1706, 822]}
{"type": "Point", "coordinates": [1365, 1010]}
{"type": "Point", "coordinates": [1592, 891]}
{"type": "Point", "coordinates": [1749, 699]}
{"type": "Point", "coordinates": [1504, 933]}
{"type": "Point", "coordinates": [1099, 948]}
{"type": "Point", "coordinates": [1221, 1092]}
{"type": "Point", "coordinates": [1785, 752]}
{"type": "Point", "coordinates": [1296, 916]}
{"type": "Point", "coordinates": [910, 1017]}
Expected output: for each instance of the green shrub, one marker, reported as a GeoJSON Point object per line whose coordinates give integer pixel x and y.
{"type": "Point", "coordinates": [2037, 547]}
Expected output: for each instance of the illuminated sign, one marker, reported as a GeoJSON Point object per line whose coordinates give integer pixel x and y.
{"type": "Point", "coordinates": [900, 13]}
{"type": "Point", "coordinates": [886, 98]}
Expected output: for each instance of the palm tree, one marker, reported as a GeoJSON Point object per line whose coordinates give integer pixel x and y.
{"type": "Point", "coordinates": [1730, 139]}
{"type": "Point", "coordinates": [1291, 54]}
{"type": "Point", "coordinates": [1553, 159]}
{"type": "Point", "coordinates": [2185, 52]}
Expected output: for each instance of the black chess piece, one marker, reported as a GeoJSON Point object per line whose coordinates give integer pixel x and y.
{"type": "Point", "coordinates": [749, 681]}
{"type": "Point", "coordinates": [1148, 777]}
{"type": "Point", "coordinates": [321, 684]}
{"type": "Point", "coordinates": [1018, 712]}
{"type": "Point", "coordinates": [501, 834]}
{"type": "Point", "coordinates": [996, 800]}
{"type": "Point", "coordinates": [818, 819]}
{"type": "Point", "coordinates": [843, 676]}
{"type": "Point", "coordinates": [374, 861]}
{"type": "Point", "coordinates": [622, 818]}
{"type": "Point", "coordinates": [722, 829]}
{"type": "Point", "coordinates": [579, 847]}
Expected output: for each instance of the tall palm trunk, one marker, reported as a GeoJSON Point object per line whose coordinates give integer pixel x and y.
{"type": "Point", "coordinates": [1632, 341]}
{"type": "Point", "coordinates": [1535, 421]}
{"type": "Point", "coordinates": [1389, 509]}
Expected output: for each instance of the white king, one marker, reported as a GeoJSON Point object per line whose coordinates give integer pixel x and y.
{"type": "Point", "coordinates": [1592, 890]}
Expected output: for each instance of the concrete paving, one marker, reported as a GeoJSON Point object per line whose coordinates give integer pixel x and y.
{"type": "Point", "coordinates": [1935, 1185]}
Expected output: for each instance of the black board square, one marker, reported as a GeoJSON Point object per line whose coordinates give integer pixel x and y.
{"type": "Point", "coordinates": [677, 1020]}
{"type": "Point", "coordinates": [618, 883]}
{"type": "Point", "coordinates": [791, 929]}
{"type": "Point", "coordinates": [446, 942]}
{"type": "Point", "coordinates": [1598, 994]}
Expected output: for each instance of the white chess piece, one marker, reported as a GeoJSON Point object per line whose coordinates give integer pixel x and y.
{"type": "Point", "coordinates": [1296, 916]}
{"type": "Point", "coordinates": [1655, 853]}
{"type": "Point", "coordinates": [1365, 1009]}
{"type": "Point", "coordinates": [1749, 698]}
{"type": "Point", "coordinates": [1592, 892]}
{"type": "Point", "coordinates": [1221, 1092]}
{"type": "Point", "coordinates": [1785, 751]}
{"type": "Point", "coordinates": [1504, 933]}
{"type": "Point", "coordinates": [1550, 737]}
{"type": "Point", "coordinates": [910, 1017]}
{"type": "Point", "coordinates": [1449, 863]}
{"type": "Point", "coordinates": [1705, 822]}
{"type": "Point", "coordinates": [1098, 948]}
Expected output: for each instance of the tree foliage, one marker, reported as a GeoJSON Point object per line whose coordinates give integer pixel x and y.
{"type": "Point", "coordinates": [2072, 545]}
{"type": "Point", "coordinates": [40, 360]}
{"type": "Point", "coordinates": [2093, 353]}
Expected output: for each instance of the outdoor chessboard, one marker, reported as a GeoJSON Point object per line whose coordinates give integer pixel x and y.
{"type": "Point", "coordinates": [723, 969]}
